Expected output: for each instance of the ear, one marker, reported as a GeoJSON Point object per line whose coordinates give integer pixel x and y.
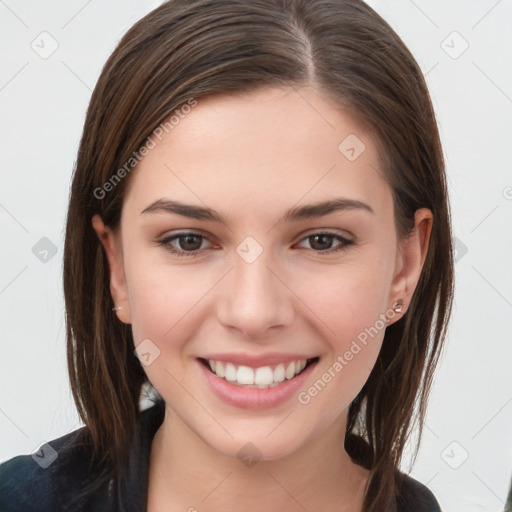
{"type": "Point", "coordinates": [118, 287]}
{"type": "Point", "coordinates": [411, 256]}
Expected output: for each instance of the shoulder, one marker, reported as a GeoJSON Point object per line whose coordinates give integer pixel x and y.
{"type": "Point", "coordinates": [412, 495]}
{"type": "Point", "coordinates": [62, 476]}
{"type": "Point", "coordinates": [43, 480]}
{"type": "Point", "coordinates": [415, 497]}
{"type": "Point", "coordinates": [23, 486]}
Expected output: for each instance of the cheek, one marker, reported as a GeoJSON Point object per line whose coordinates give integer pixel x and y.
{"type": "Point", "coordinates": [350, 303]}
{"type": "Point", "coordinates": [168, 302]}
{"type": "Point", "coordinates": [349, 298]}
{"type": "Point", "coordinates": [160, 296]}
{"type": "Point", "coordinates": [356, 331]}
{"type": "Point", "coordinates": [164, 305]}
{"type": "Point", "coordinates": [161, 307]}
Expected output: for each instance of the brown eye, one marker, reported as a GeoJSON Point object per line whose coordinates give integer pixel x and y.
{"type": "Point", "coordinates": [324, 243]}
{"type": "Point", "coordinates": [321, 242]}
{"type": "Point", "coordinates": [184, 244]}
{"type": "Point", "coordinates": [190, 242]}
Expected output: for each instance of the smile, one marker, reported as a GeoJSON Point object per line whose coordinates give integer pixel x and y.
{"type": "Point", "coordinates": [257, 378]}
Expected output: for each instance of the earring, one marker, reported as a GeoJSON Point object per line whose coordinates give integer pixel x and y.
{"type": "Point", "coordinates": [117, 308]}
{"type": "Point", "coordinates": [398, 305]}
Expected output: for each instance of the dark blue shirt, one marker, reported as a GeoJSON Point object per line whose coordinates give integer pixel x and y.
{"type": "Point", "coordinates": [47, 480]}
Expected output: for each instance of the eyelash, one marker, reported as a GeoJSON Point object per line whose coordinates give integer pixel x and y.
{"type": "Point", "coordinates": [345, 242]}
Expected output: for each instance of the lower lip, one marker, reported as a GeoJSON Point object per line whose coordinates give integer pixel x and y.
{"type": "Point", "coordinates": [251, 398]}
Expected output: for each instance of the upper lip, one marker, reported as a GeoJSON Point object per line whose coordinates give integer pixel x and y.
{"type": "Point", "coordinates": [257, 361]}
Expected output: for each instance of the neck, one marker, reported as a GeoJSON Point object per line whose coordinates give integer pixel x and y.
{"type": "Point", "coordinates": [187, 474]}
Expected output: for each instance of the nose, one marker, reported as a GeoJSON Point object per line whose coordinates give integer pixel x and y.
{"type": "Point", "coordinates": [254, 298]}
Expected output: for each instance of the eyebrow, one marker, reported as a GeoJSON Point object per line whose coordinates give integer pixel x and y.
{"type": "Point", "coordinates": [308, 211]}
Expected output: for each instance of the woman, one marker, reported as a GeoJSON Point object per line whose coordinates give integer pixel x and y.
{"type": "Point", "coordinates": [258, 230]}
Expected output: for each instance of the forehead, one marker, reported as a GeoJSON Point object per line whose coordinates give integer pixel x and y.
{"type": "Point", "coordinates": [274, 147]}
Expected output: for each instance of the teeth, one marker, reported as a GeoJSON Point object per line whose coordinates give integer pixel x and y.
{"type": "Point", "coordinates": [219, 369]}
{"type": "Point", "coordinates": [245, 375]}
{"type": "Point", "coordinates": [279, 373]}
{"type": "Point", "coordinates": [262, 378]}
{"type": "Point", "coordinates": [230, 372]}
{"type": "Point", "coordinates": [290, 370]}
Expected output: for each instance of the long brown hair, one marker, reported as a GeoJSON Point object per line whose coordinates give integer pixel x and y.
{"type": "Point", "coordinates": [187, 49]}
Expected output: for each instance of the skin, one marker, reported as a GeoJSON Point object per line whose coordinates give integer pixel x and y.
{"type": "Point", "coordinates": [251, 158]}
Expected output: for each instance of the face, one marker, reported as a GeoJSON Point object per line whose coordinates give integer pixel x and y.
{"type": "Point", "coordinates": [258, 233]}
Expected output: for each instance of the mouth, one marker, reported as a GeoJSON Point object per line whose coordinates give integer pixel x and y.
{"type": "Point", "coordinates": [263, 377]}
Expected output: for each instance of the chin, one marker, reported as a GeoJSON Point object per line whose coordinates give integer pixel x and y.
{"type": "Point", "coordinates": [251, 449]}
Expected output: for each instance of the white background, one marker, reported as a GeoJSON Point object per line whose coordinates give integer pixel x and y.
{"type": "Point", "coordinates": [42, 109]}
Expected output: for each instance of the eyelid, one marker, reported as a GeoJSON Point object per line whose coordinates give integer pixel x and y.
{"type": "Point", "coordinates": [184, 232]}
{"type": "Point", "coordinates": [327, 231]}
